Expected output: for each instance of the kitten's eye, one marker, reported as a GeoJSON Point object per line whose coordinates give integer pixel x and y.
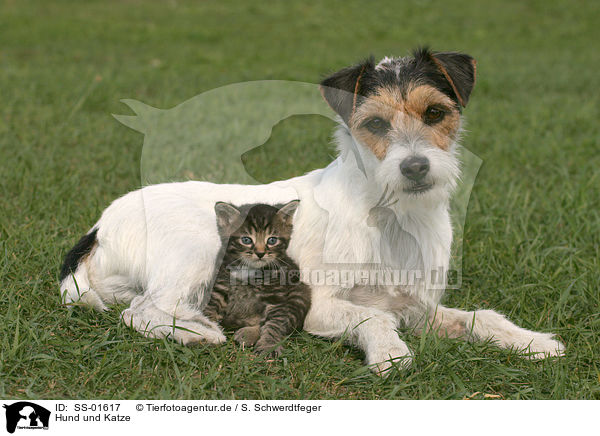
{"type": "Point", "coordinates": [433, 115]}
{"type": "Point", "coordinates": [377, 125]}
{"type": "Point", "coordinates": [272, 240]}
{"type": "Point", "coordinates": [246, 240]}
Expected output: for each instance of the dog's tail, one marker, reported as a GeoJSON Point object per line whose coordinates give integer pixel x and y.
{"type": "Point", "coordinates": [74, 273]}
{"type": "Point", "coordinates": [77, 253]}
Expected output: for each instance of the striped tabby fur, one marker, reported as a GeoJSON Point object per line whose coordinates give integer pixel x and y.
{"type": "Point", "coordinates": [257, 289]}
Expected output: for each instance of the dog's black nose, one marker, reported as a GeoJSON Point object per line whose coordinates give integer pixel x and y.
{"type": "Point", "coordinates": [415, 168]}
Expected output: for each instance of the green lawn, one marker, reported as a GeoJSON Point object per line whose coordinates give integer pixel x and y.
{"type": "Point", "coordinates": [531, 247]}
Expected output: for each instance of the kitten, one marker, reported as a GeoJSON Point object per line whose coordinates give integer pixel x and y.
{"type": "Point", "coordinates": [257, 289]}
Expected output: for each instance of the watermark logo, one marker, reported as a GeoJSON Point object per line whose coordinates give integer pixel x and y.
{"type": "Point", "coordinates": [341, 277]}
{"type": "Point", "coordinates": [26, 415]}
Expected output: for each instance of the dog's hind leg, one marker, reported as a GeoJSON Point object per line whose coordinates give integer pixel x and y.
{"type": "Point", "coordinates": [185, 325]}
{"type": "Point", "coordinates": [75, 288]}
{"type": "Point", "coordinates": [482, 325]}
{"type": "Point", "coordinates": [372, 330]}
{"type": "Point", "coordinates": [75, 273]}
{"type": "Point", "coordinates": [115, 288]}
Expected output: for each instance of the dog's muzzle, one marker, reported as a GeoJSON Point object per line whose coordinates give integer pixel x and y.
{"type": "Point", "coordinates": [415, 169]}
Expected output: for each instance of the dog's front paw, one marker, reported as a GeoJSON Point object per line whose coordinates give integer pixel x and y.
{"type": "Point", "coordinates": [543, 345]}
{"type": "Point", "coordinates": [189, 337]}
{"type": "Point", "coordinates": [382, 361]}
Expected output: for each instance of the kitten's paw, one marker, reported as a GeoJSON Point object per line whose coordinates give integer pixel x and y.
{"type": "Point", "coordinates": [270, 351]}
{"type": "Point", "coordinates": [247, 335]}
{"type": "Point", "coordinates": [382, 361]}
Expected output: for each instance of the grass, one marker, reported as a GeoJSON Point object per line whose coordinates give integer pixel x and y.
{"type": "Point", "coordinates": [531, 247]}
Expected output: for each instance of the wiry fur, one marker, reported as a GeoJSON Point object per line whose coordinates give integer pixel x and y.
{"type": "Point", "coordinates": [157, 247]}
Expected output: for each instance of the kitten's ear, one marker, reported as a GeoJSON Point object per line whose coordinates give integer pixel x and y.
{"type": "Point", "coordinates": [227, 214]}
{"type": "Point", "coordinates": [286, 212]}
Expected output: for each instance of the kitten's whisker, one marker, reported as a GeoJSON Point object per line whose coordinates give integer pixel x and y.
{"type": "Point", "coordinates": [234, 263]}
{"type": "Point", "coordinates": [277, 263]}
{"type": "Point", "coordinates": [284, 262]}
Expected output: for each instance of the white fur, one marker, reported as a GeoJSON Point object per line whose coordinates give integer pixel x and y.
{"type": "Point", "coordinates": [160, 244]}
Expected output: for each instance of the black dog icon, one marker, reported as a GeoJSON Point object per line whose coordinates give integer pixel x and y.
{"type": "Point", "coordinates": [27, 411]}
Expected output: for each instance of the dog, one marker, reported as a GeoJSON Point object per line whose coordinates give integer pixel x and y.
{"type": "Point", "coordinates": [382, 205]}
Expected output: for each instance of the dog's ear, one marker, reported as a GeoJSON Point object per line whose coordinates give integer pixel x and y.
{"type": "Point", "coordinates": [227, 215]}
{"type": "Point", "coordinates": [341, 89]}
{"type": "Point", "coordinates": [459, 70]}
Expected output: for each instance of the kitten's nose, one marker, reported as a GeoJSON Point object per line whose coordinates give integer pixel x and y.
{"type": "Point", "coordinates": [259, 254]}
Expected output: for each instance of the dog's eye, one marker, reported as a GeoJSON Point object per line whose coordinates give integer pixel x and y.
{"type": "Point", "coordinates": [246, 240]}
{"type": "Point", "coordinates": [377, 126]}
{"type": "Point", "coordinates": [433, 115]}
